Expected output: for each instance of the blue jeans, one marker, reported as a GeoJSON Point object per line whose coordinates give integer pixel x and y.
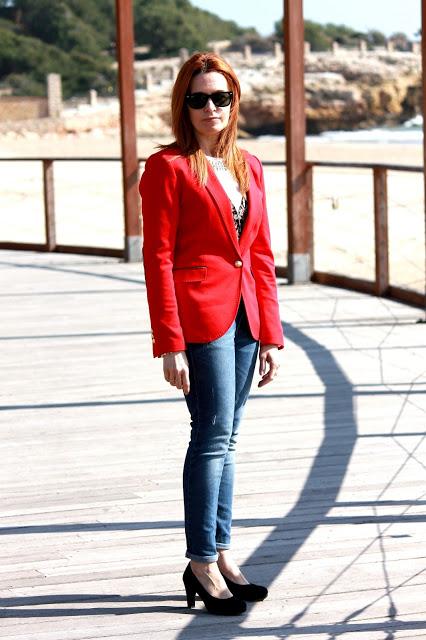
{"type": "Point", "coordinates": [221, 374]}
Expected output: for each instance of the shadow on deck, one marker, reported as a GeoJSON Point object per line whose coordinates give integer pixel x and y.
{"type": "Point", "coordinates": [372, 335]}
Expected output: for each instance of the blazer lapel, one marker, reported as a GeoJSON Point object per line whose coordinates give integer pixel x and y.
{"type": "Point", "coordinates": [223, 205]}
{"type": "Point", "coordinates": [254, 197]}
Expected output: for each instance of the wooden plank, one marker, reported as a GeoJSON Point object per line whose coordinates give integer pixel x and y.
{"type": "Point", "coordinates": [331, 466]}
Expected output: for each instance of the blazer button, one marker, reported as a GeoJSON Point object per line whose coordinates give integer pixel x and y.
{"type": "Point", "coordinates": [238, 264]}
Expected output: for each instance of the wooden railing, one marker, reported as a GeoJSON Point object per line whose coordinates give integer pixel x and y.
{"type": "Point", "coordinates": [50, 243]}
{"type": "Point", "coordinates": [380, 286]}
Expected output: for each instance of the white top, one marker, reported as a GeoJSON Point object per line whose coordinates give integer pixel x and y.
{"type": "Point", "coordinates": [227, 180]}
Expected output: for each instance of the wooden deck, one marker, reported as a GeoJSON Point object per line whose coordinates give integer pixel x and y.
{"type": "Point", "coordinates": [330, 505]}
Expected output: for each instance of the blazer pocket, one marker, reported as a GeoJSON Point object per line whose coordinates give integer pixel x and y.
{"type": "Point", "coordinates": [190, 274]}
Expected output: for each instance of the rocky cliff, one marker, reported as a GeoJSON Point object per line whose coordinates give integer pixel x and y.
{"type": "Point", "coordinates": [344, 90]}
{"type": "Point", "coordinates": [361, 91]}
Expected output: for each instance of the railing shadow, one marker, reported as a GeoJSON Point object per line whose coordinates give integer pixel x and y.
{"type": "Point", "coordinates": [338, 444]}
{"type": "Point", "coordinates": [113, 604]}
{"type": "Point", "coordinates": [140, 281]}
{"type": "Point", "coordinates": [318, 496]}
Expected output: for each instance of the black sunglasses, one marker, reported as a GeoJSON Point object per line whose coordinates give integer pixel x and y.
{"type": "Point", "coordinates": [199, 100]}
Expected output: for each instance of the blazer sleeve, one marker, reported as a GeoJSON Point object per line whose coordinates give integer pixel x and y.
{"type": "Point", "coordinates": [263, 267]}
{"type": "Point", "coordinates": [160, 215]}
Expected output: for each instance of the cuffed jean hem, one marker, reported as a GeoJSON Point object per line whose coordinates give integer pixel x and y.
{"type": "Point", "coordinates": [193, 556]}
{"type": "Point", "coordinates": [222, 546]}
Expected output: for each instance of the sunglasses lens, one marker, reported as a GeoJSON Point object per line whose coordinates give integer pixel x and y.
{"type": "Point", "coordinates": [222, 98]}
{"type": "Point", "coordinates": [199, 100]}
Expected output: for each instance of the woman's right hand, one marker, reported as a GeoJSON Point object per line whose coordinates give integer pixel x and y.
{"type": "Point", "coordinates": [176, 371]}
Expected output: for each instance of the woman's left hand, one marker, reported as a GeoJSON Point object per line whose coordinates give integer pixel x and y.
{"type": "Point", "coordinates": [268, 354]}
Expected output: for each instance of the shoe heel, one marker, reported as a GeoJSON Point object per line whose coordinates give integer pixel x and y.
{"type": "Point", "coordinates": [223, 607]}
{"type": "Point", "coordinates": [190, 594]}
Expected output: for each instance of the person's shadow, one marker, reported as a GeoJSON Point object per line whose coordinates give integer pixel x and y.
{"type": "Point", "coordinates": [34, 606]}
{"type": "Point", "coordinates": [317, 497]}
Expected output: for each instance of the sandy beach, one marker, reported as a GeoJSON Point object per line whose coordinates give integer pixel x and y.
{"type": "Point", "coordinates": [89, 204]}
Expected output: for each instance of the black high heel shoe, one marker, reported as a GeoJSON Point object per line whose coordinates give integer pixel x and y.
{"type": "Point", "coordinates": [247, 592]}
{"type": "Point", "coordinates": [220, 606]}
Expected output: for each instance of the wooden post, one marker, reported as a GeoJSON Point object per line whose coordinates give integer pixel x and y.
{"type": "Point", "coordinates": [381, 230]}
{"type": "Point", "coordinates": [129, 155]}
{"type": "Point", "coordinates": [423, 43]}
{"type": "Point", "coordinates": [299, 196]}
{"type": "Point", "coordinates": [49, 205]}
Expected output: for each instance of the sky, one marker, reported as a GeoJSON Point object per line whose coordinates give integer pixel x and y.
{"type": "Point", "coordinates": [387, 16]}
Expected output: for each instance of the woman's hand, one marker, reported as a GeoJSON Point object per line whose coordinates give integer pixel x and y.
{"type": "Point", "coordinates": [268, 354]}
{"type": "Point", "coordinates": [175, 369]}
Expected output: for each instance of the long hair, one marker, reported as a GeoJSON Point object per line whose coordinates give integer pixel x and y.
{"type": "Point", "coordinates": [183, 130]}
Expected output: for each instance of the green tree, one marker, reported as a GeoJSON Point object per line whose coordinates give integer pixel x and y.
{"type": "Point", "coordinates": [279, 29]}
{"type": "Point", "coordinates": [76, 38]}
{"type": "Point", "coordinates": [400, 41]}
{"type": "Point", "coordinates": [342, 34]}
{"type": "Point", "coordinates": [165, 28]}
{"type": "Point", "coordinates": [376, 38]}
{"type": "Point", "coordinates": [100, 15]}
{"type": "Point", "coordinates": [25, 62]}
{"type": "Point", "coordinates": [45, 19]}
{"type": "Point", "coordinates": [168, 25]}
{"type": "Point", "coordinates": [61, 23]}
{"type": "Point", "coordinates": [321, 36]}
{"type": "Point", "coordinates": [314, 34]}
{"type": "Point", "coordinates": [21, 55]}
{"type": "Point", "coordinates": [317, 37]}
{"type": "Point", "coordinates": [257, 43]}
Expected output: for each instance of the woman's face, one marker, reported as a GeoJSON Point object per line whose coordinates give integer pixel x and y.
{"type": "Point", "coordinates": [210, 120]}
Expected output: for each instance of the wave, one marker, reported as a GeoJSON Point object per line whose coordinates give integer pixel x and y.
{"type": "Point", "coordinates": [398, 135]}
{"type": "Point", "coordinates": [411, 132]}
{"type": "Point", "coordinates": [416, 122]}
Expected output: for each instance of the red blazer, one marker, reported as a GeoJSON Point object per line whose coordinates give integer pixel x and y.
{"type": "Point", "coordinates": [195, 268]}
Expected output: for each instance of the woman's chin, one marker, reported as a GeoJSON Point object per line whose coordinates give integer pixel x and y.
{"type": "Point", "coordinates": [214, 128]}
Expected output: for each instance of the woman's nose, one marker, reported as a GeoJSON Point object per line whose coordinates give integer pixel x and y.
{"type": "Point", "coordinates": [210, 105]}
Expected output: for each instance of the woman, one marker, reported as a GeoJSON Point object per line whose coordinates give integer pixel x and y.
{"type": "Point", "coordinates": [212, 298]}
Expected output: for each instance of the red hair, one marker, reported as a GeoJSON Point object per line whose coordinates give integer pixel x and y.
{"type": "Point", "coordinates": [183, 130]}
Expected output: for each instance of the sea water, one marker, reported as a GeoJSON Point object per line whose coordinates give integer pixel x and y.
{"type": "Point", "coordinates": [410, 132]}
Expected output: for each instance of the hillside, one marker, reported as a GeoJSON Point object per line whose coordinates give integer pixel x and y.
{"type": "Point", "coordinates": [76, 38]}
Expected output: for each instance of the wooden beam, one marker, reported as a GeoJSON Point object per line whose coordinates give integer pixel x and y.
{"type": "Point", "coordinates": [345, 282]}
{"type": "Point", "coordinates": [49, 205]}
{"type": "Point", "coordinates": [407, 296]}
{"type": "Point", "coordinates": [381, 239]}
{"type": "Point", "coordinates": [129, 156]}
{"type": "Point", "coordinates": [23, 246]}
{"type": "Point", "coordinates": [424, 114]}
{"type": "Point", "coordinates": [299, 196]}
